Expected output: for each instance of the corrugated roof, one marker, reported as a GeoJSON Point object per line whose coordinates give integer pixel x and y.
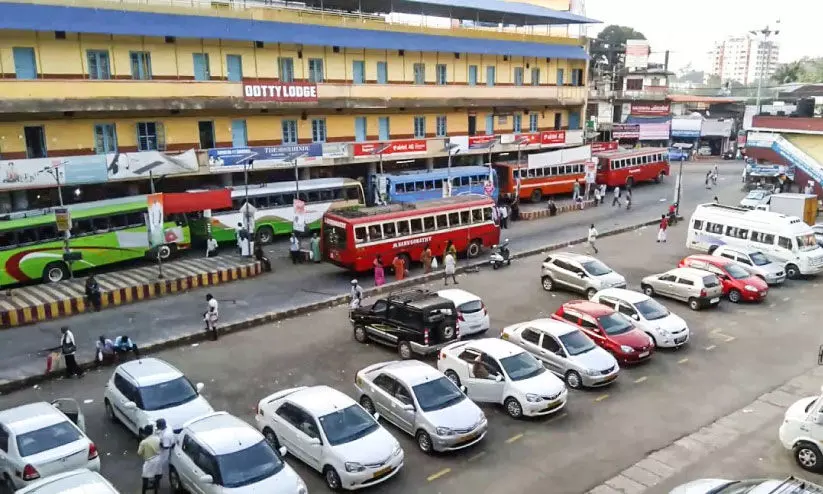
{"type": "Point", "coordinates": [108, 21]}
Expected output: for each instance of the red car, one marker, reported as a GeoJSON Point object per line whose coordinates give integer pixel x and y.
{"type": "Point", "coordinates": [609, 329]}
{"type": "Point", "coordinates": [738, 282]}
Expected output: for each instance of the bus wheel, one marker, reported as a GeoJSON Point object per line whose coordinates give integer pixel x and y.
{"type": "Point", "coordinates": [55, 271]}
{"type": "Point", "coordinates": [265, 235]}
{"type": "Point", "coordinates": [630, 182]}
{"type": "Point", "coordinates": [537, 195]}
{"type": "Point", "coordinates": [165, 252]}
{"type": "Point", "coordinates": [473, 250]}
{"type": "Point", "coordinates": [659, 177]}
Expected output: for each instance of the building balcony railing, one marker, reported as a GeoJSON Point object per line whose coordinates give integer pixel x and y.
{"type": "Point", "coordinates": [88, 96]}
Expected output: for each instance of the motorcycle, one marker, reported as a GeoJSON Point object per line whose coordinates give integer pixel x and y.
{"type": "Point", "coordinates": [500, 255]}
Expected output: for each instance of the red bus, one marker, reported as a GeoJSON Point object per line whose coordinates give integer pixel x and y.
{"type": "Point", "coordinates": [353, 238]}
{"type": "Point", "coordinates": [630, 166]}
{"type": "Point", "coordinates": [537, 183]}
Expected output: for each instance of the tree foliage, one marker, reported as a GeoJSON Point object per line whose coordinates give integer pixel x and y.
{"type": "Point", "coordinates": [805, 70]}
{"type": "Point", "coordinates": [609, 48]}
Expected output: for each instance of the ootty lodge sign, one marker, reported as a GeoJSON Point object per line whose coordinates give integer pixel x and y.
{"type": "Point", "coordinates": [280, 92]}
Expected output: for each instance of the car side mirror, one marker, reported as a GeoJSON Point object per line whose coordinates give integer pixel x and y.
{"type": "Point", "coordinates": [498, 378]}
{"type": "Point", "coordinates": [283, 451]}
{"type": "Point", "coordinates": [408, 408]}
{"type": "Point", "coordinates": [581, 274]}
{"type": "Point", "coordinates": [635, 317]}
{"type": "Point", "coordinates": [464, 389]}
{"type": "Point", "coordinates": [376, 416]}
{"type": "Point", "coordinates": [199, 387]}
{"type": "Point", "coordinates": [314, 441]}
{"type": "Point", "coordinates": [206, 479]}
{"type": "Point", "coordinates": [130, 405]}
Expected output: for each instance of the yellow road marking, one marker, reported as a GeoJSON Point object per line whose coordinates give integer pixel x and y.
{"type": "Point", "coordinates": [601, 397]}
{"type": "Point", "coordinates": [439, 474]}
{"type": "Point", "coordinates": [711, 347]}
{"type": "Point", "coordinates": [683, 361]}
{"type": "Point", "coordinates": [477, 456]}
{"type": "Point", "coordinates": [730, 339]}
{"type": "Point", "coordinates": [514, 438]}
{"type": "Point", "coordinates": [640, 379]}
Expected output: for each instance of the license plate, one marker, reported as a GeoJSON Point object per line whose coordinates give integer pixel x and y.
{"type": "Point", "coordinates": [553, 406]}
{"type": "Point", "coordinates": [644, 354]}
{"type": "Point", "coordinates": [609, 379]}
{"type": "Point", "coordinates": [714, 300]}
{"type": "Point", "coordinates": [475, 326]}
{"type": "Point", "coordinates": [680, 340]}
{"type": "Point", "coordinates": [382, 472]}
{"type": "Point", "coordinates": [762, 294]}
{"type": "Point", "coordinates": [468, 438]}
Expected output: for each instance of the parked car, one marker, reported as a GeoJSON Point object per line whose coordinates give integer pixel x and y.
{"type": "Point", "coordinates": [754, 198]}
{"type": "Point", "coordinates": [40, 441]}
{"type": "Point", "coordinates": [791, 485]}
{"type": "Point", "coordinates": [565, 350]}
{"type": "Point", "coordinates": [738, 283]}
{"type": "Point", "coordinates": [331, 433]}
{"type": "Point", "coordinates": [611, 330]}
{"type": "Point", "coordinates": [141, 391]}
{"type": "Point", "coordinates": [666, 329]}
{"type": "Point", "coordinates": [771, 272]}
{"type": "Point", "coordinates": [694, 286]}
{"type": "Point", "coordinates": [578, 273]}
{"type": "Point", "coordinates": [421, 401]}
{"type": "Point", "coordinates": [496, 371]}
{"type": "Point", "coordinates": [704, 151]}
{"type": "Point", "coordinates": [78, 481]}
{"type": "Point", "coordinates": [802, 432]}
{"type": "Point", "coordinates": [472, 315]}
{"type": "Point", "coordinates": [219, 454]}
{"type": "Point", "coordinates": [415, 322]}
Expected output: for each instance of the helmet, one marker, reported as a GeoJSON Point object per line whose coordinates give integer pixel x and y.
{"type": "Point", "coordinates": [353, 282]}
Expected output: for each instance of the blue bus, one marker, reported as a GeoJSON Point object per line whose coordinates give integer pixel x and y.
{"type": "Point", "coordinates": [424, 185]}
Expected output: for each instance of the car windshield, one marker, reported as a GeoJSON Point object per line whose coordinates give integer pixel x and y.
{"type": "Point", "coordinates": [470, 307]}
{"type": "Point", "coordinates": [806, 242]}
{"type": "Point", "coordinates": [615, 324]}
{"type": "Point", "coordinates": [438, 394]}
{"type": "Point", "coordinates": [47, 438]}
{"type": "Point", "coordinates": [652, 309]}
{"type": "Point", "coordinates": [759, 259]}
{"type": "Point", "coordinates": [168, 394]}
{"type": "Point", "coordinates": [756, 194]}
{"type": "Point", "coordinates": [596, 268]}
{"type": "Point", "coordinates": [521, 366]}
{"type": "Point", "coordinates": [576, 343]}
{"type": "Point", "coordinates": [737, 487]}
{"type": "Point", "coordinates": [347, 425]}
{"type": "Point", "coordinates": [248, 466]}
{"type": "Point", "coordinates": [737, 272]}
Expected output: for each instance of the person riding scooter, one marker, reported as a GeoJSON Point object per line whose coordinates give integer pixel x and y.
{"type": "Point", "coordinates": [500, 255]}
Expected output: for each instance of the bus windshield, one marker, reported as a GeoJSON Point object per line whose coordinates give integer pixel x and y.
{"type": "Point", "coordinates": [806, 242]}
{"type": "Point", "coordinates": [334, 236]}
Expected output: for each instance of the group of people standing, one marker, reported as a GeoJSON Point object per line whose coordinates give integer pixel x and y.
{"type": "Point", "coordinates": [155, 449]}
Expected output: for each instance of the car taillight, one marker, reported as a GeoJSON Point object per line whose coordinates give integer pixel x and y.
{"type": "Point", "coordinates": [426, 336]}
{"type": "Point", "coordinates": [703, 292]}
{"type": "Point", "coordinates": [30, 473]}
{"type": "Point", "coordinates": [485, 311]}
{"type": "Point", "coordinates": [441, 356]}
{"type": "Point", "coordinates": [257, 409]}
{"type": "Point", "coordinates": [504, 335]}
{"type": "Point", "coordinates": [460, 316]}
{"type": "Point", "coordinates": [92, 451]}
{"type": "Point", "coordinates": [457, 331]}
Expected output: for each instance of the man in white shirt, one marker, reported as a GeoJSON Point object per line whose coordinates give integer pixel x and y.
{"type": "Point", "coordinates": [616, 200]}
{"type": "Point", "coordinates": [68, 346]}
{"type": "Point", "coordinates": [592, 237]}
{"type": "Point", "coordinates": [211, 315]}
{"type": "Point", "coordinates": [504, 216]}
{"type": "Point", "coordinates": [211, 247]}
{"type": "Point", "coordinates": [602, 193]}
{"type": "Point", "coordinates": [166, 443]}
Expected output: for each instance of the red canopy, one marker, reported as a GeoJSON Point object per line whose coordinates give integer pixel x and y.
{"type": "Point", "coordinates": [191, 202]}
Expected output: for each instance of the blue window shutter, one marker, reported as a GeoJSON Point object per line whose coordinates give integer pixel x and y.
{"type": "Point", "coordinates": [559, 77]}
{"type": "Point", "coordinates": [25, 64]}
{"type": "Point", "coordinates": [359, 129]}
{"type": "Point", "coordinates": [472, 75]}
{"type": "Point", "coordinates": [234, 64]}
{"type": "Point", "coordinates": [359, 72]}
{"type": "Point", "coordinates": [382, 73]}
{"type": "Point", "coordinates": [490, 75]}
{"type": "Point", "coordinates": [489, 124]}
{"type": "Point", "coordinates": [574, 120]}
{"type": "Point", "coordinates": [239, 137]}
{"type": "Point", "coordinates": [201, 67]}
{"type": "Point", "coordinates": [384, 130]}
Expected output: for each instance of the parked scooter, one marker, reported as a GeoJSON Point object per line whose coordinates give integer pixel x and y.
{"type": "Point", "coordinates": [500, 255]}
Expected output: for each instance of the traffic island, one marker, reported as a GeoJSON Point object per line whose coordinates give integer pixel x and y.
{"type": "Point", "coordinates": [540, 212]}
{"type": "Point", "coordinates": [44, 302]}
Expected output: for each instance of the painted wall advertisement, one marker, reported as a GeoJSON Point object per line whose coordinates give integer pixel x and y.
{"type": "Point", "coordinates": [95, 169]}
{"type": "Point", "coordinates": [393, 147]}
{"type": "Point", "coordinates": [650, 109]}
{"type": "Point", "coordinates": [625, 131]}
{"type": "Point", "coordinates": [637, 53]}
{"type": "Point", "coordinates": [474, 143]}
{"type": "Point", "coordinates": [262, 156]}
{"type": "Point", "coordinates": [280, 92]}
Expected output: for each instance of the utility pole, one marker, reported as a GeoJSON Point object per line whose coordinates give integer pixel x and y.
{"type": "Point", "coordinates": [766, 33]}
{"type": "Point", "coordinates": [54, 171]}
{"type": "Point", "coordinates": [449, 147]}
{"type": "Point", "coordinates": [162, 227]}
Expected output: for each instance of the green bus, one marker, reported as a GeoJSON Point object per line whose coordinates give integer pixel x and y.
{"type": "Point", "coordinates": [102, 232]}
{"type": "Point", "coordinates": [274, 213]}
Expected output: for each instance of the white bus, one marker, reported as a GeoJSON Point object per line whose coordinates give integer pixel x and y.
{"type": "Point", "coordinates": [785, 239]}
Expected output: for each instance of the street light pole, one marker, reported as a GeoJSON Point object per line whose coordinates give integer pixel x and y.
{"type": "Point", "coordinates": [159, 259]}
{"type": "Point", "coordinates": [766, 33]}
{"type": "Point", "coordinates": [55, 172]}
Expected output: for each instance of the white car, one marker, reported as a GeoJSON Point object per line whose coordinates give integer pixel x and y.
{"type": "Point", "coordinates": [791, 485]}
{"type": "Point", "coordinates": [142, 391]}
{"type": "Point", "coordinates": [666, 329]}
{"type": "Point", "coordinates": [756, 197]}
{"type": "Point", "coordinates": [40, 441]}
{"type": "Point", "coordinates": [755, 261]}
{"type": "Point", "coordinates": [331, 433]}
{"type": "Point", "coordinates": [219, 454]}
{"type": "Point", "coordinates": [496, 371]}
{"type": "Point", "coordinates": [472, 315]}
{"type": "Point", "coordinates": [79, 481]}
{"type": "Point", "coordinates": [802, 432]}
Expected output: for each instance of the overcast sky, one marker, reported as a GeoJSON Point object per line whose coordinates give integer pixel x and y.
{"type": "Point", "coordinates": [689, 27]}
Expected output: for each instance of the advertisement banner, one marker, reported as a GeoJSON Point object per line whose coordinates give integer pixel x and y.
{"type": "Point", "coordinates": [549, 137]}
{"type": "Point", "coordinates": [599, 147]}
{"type": "Point", "coordinates": [529, 139]}
{"type": "Point", "coordinates": [637, 53]}
{"type": "Point", "coordinates": [335, 150]}
{"type": "Point", "coordinates": [654, 131]}
{"type": "Point", "coordinates": [299, 221]}
{"type": "Point", "coordinates": [650, 109]}
{"type": "Point", "coordinates": [626, 131]}
{"type": "Point", "coordinates": [154, 220]}
{"type": "Point", "coordinates": [569, 155]}
{"type": "Point", "coordinates": [591, 171]}
{"type": "Point", "coordinates": [263, 156]}
{"type": "Point", "coordinates": [62, 217]}
{"type": "Point", "coordinates": [391, 147]}
{"type": "Point", "coordinates": [280, 92]}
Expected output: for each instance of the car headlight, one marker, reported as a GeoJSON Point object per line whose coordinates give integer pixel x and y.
{"type": "Point", "coordinates": [533, 398]}
{"type": "Point", "coordinates": [397, 450]}
{"type": "Point", "coordinates": [626, 349]}
{"type": "Point", "coordinates": [750, 288]}
{"type": "Point", "coordinates": [301, 487]}
{"type": "Point", "coordinates": [592, 372]}
{"type": "Point", "coordinates": [443, 431]}
{"type": "Point", "coordinates": [353, 466]}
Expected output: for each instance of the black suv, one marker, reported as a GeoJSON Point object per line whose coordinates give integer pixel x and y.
{"type": "Point", "coordinates": [415, 322]}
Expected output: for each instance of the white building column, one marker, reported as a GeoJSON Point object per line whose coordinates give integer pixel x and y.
{"type": "Point", "coordinates": [20, 200]}
{"type": "Point", "coordinates": [134, 189]}
{"type": "Point", "coordinates": [5, 202]}
{"type": "Point", "coordinates": [225, 180]}
{"type": "Point", "coordinates": [429, 163]}
{"type": "Point", "coordinates": [304, 173]}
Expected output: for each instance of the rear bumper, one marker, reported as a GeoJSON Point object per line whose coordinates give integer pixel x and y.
{"type": "Point", "coordinates": [430, 349]}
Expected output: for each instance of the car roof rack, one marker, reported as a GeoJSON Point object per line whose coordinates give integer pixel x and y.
{"type": "Point", "coordinates": [794, 485]}
{"type": "Point", "coordinates": [409, 296]}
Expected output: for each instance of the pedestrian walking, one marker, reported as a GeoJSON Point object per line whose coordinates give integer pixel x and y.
{"type": "Point", "coordinates": [68, 346]}
{"type": "Point", "coordinates": [379, 271]}
{"type": "Point", "coordinates": [592, 237]}
{"type": "Point", "coordinates": [597, 196]}
{"type": "Point", "coordinates": [239, 233]}
{"type": "Point", "coordinates": [399, 265]}
{"type": "Point", "coordinates": [264, 261]}
{"type": "Point", "coordinates": [426, 259]}
{"type": "Point", "coordinates": [496, 215]}
{"type": "Point", "coordinates": [149, 451]}
{"type": "Point", "coordinates": [211, 246]}
{"type": "Point", "coordinates": [629, 188]}
{"type": "Point", "coordinates": [616, 200]}
{"type": "Point", "coordinates": [661, 232]}
{"type": "Point", "coordinates": [504, 216]}
{"type": "Point", "coordinates": [93, 292]}
{"type": "Point", "coordinates": [708, 179]}
{"type": "Point", "coordinates": [450, 249]}
{"type": "Point", "coordinates": [602, 193]}
{"type": "Point", "coordinates": [356, 294]}
{"type": "Point", "coordinates": [211, 315]}
{"type": "Point", "coordinates": [576, 191]}
{"type": "Point", "coordinates": [450, 263]}
{"type": "Point", "coordinates": [166, 437]}
{"type": "Point", "coordinates": [294, 248]}
{"type": "Point", "coordinates": [628, 202]}
{"type": "Point", "coordinates": [315, 248]}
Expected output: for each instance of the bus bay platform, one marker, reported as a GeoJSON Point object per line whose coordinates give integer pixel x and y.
{"type": "Point", "coordinates": [48, 301]}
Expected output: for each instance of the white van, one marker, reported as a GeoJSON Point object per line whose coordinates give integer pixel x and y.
{"type": "Point", "coordinates": [785, 239]}
{"type": "Point", "coordinates": [802, 432]}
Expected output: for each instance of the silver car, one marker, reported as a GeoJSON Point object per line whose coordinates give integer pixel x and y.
{"type": "Point", "coordinates": [755, 261]}
{"type": "Point", "coordinates": [566, 351]}
{"type": "Point", "coordinates": [423, 402]}
{"type": "Point", "coordinates": [578, 273]}
{"type": "Point", "coordinates": [696, 287]}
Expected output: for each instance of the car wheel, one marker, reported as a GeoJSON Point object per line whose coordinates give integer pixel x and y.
{"type": "Point", "coordinates": [694, 304]}
{"type": "Point", "coordinates": [424, 442]}
{"type": "Point", "coordinates": [808, 456]}
{"type": "Point", "coordinates": [792, 272]}
{"type": "Point", "coordinates": [110, 412]}
{"type": "Point", "coordinates": [659, 177]}
{"type": "Point", "coordinates": [174, 481]}
{"type": "Point", "coordinates": [6, 485]}
{"type": "Point", "coordinates": [453, 377]}
{"type": "Point", "coordinates": [271, 438]}
{"type": "Point", "coordinates": [473, 250]}
{"type": "Point", "coordinates": [405, 350]}
{"type": "Point", "coordinates": [513, 408]}
{"type": "Point", "coordinates": [590, 293]}
{"type": "Point", "coordinates": [332, 479]}
{"type": "Point", "coordinates": [573, 380]}
{"type": "Point", "coordinates": [654, 340]}
{"type": "Point", "coordinates": [735, 297]}
{"type": "Point", "coordinates": [368, 405]}
{"type": "Point", "coordinates": [360, 334]}
{"type": "Point", "coordinates": [495, 266]}
{"type": "Point", "coordinates": [548, 283]}
{"type": "Point", "coordinates": [648, 290]}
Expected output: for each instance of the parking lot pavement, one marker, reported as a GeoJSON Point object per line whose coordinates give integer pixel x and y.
{"type": "Point", "coordinates": [737, 352]}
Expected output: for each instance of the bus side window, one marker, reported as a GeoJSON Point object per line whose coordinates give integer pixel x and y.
{"type": "Point", "coordinates": [389, 230]}
{"type": "Point", "coordinates": [402, 228]}
{"type": "Point", "coordinates": [465, 181]}
{"type": "Point", "coordinates": [698, 224]}
{"type": "Point", "coordinates": [353, 193]}
{"type": "Point", "coordinates": [454, 219]}
{"type": "Point", "coordinates": [314, 196]}
{"type": "Point", "coordinates": [82, 227]}
{"type": "Point", "coordinates": [236, 204]}
{"type": "Point", "coordinates": [456, 182]}
{"type": "Point", "coordinates": [375, 233]}
{"type": "Point", "coordinates": [538, 172]}
{"type": "Point", "coordinates": [119, 221]}
{"type": "Point", "coordinates": [428, 223]}
{"type": "Point", "coordinates": [27, 236]}
{"type": "Point", "coordinates": [436, 184]}
{"type": "Point", "coordinates": [264, 202]}
{"type": "Point", "coordinates": [442, 224]}
{"type": "Point", "coordinates": [135, 219]}
{"type": "Point", "coordinates": [731, 231]}
{"type": "Point", "coordinates": [416, 225]}
{"type": "Point", "coordinates": [7, 240]}
{"type": "Point", "coordinates": [742, 233]}
{"type": "Point", "coordinates": [465, 217]}
{"type": "Point", "coordinates": [288, 199]}
{"type": "Point", "coordinates": [47, 233]}
{"type": "Point", "coordinates": [477, 216]}
{"type": "Point", "coordinates": [360, 234]}
{"type": "Point", "coordinates": [487, 214]}
{"type": "Point", "coordinates": [399, 188]}
{"type": "Point", "coordinates": [784, 242]}
{"type": "Point", "coordinates": [100, 224]}
{"type": "Point", "coordinates": [326, 195]}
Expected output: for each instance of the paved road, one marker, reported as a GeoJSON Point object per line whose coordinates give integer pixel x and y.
{"type": "Point", "coordinates": [290, 286]}
{"type": "Point", "coordinates": [736, 354]}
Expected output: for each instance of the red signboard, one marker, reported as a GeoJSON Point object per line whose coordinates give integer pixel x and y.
{"type": "Point", "coordinates": [528, 139]}
{"type": "Point", "coordinates": [553, 137]}
{"type": "Point", "coordinates": [599, 147]}
{"type": "Point", "coordinates": [483, 141]}
{"type": "Point", "coordinates": [393, 147]}
{"type": "Point", "coordinates": [650, 110]}
{"type": "Point", "coordinates": [280, 92]}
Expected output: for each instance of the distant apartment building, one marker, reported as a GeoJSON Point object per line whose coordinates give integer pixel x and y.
{"type": "Point", "coordinates": [744, 59]}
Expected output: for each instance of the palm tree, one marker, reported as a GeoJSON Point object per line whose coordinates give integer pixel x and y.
{"type": "Point", "coordinates": [788, 73]}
